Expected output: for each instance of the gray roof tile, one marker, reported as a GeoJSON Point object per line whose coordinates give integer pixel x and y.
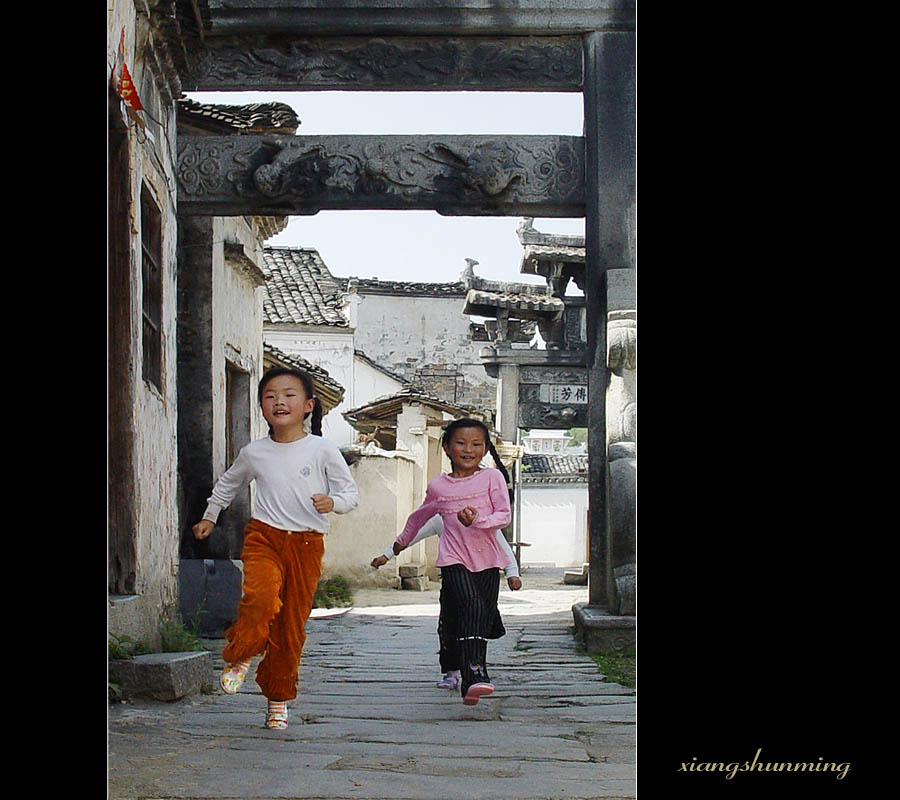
{"type": "Point", "coordinates": [300, 289]}
{"type": "Point", "coordinates": [554, 464]}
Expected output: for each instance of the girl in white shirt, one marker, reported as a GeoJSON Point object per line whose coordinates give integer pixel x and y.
{"type": "Point", "coordinates": [299, 479]}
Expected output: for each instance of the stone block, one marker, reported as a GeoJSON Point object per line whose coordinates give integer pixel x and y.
{"type": "Point", "coordinates": [412, 570]}
{"type": "Point", "coordinates": [576, 577]}
{"type": "Point", "coordinates": [602, 632]}
{"type": "Point", "coordinates": [419, 584]}
{"type": "Point", "coordinates": [209, 593]}
{"type": "Point", "coordinates": [163, 676]}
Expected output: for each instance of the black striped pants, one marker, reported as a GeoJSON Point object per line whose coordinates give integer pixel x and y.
{"type": "Point", "coordinates": [469, 617]}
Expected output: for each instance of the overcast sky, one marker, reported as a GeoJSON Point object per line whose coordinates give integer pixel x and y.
{"type": "Point", "coordinates": [418, 245]}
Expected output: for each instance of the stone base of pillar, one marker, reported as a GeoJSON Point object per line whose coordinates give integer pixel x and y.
{"type": "Point", "coordinates": [209, 594]}
{"type": "Point", "coordinates": [602, 632]}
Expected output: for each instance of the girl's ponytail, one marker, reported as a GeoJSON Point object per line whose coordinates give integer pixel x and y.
{"type": "Point", "coordinates": [497, 460]}
{"type": "Point", "coordinates": [315, 426]}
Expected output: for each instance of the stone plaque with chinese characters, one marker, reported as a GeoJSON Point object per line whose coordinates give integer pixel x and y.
{"type": "Point", "coordinates": [553, 398]}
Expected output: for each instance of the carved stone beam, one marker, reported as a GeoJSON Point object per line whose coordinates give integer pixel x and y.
{"type": "Point", "coordinates": [392, 63]}
{"type": "Point", "coordinates": [454, 175]}
{"type": "Point", "coordinates": [441, 17]}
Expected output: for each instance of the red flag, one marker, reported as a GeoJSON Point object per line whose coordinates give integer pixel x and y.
{"type": "Point", "coordinates": [128, 92]}
{"type": "Point", "coordinates": [121, 78]}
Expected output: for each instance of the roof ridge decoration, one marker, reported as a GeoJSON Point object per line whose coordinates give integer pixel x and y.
{"type": "Point", "coordinates": [271, 117]}
{"type": "Point", "coordinates": [528, 234]}
{"type": "Point", "coordinates": [419, 288]}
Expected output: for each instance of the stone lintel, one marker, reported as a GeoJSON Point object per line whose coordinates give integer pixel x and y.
{"type": "Point", "coordinates": [397, 63]}
{"type": "Point", "coordinates": [454, 175]}
{"type": "Point", "coordinates": [441, 17]}
{"type": "Point", "coordinates": [549, 359]}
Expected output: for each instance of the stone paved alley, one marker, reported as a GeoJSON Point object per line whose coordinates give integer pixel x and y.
{"type": "Point", "coordinates": [370, 723]}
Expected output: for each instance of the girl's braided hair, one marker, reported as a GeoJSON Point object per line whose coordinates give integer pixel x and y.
{"type": "Point", "coordinates": [468, 422]}
{"type": "Point", "coordinates": [303, 377]}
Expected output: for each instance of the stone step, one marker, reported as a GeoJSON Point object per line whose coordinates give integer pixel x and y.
{"type": "Point", "coordinates": [163, 676]}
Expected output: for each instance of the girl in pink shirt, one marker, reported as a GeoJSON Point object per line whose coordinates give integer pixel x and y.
{"type": "Point", "coordinates": [473, 504]}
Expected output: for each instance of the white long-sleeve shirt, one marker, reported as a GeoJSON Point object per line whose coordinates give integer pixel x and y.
{"type": "Point", "coordinates": [287, 474]}
{"type": "Point", "coordinates": [435, 527]}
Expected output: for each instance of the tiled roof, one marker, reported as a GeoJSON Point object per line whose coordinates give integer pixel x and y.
{"type": "Point", "coordinates": [388, 406]}
{"type": "Point", "coordinates": [253, 118]}
{"type": "Point", "coordinates": [554, 464]}
{"type": "Point", "coordinates": [300, 289]}
{"type": "Point", "coordinates": [411, 288]}
{"type": "Point", "coordinates": [481, 303]}
{"type": "Point", "coordinates": [484, 296]}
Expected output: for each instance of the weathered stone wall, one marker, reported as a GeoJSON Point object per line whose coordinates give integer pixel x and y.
{"type": "Point", "coordinates": [152, 516]}
{"type": "Point", "coordinates": [426, 340]}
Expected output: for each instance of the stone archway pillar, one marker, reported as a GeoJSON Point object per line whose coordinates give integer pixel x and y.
{"type": "Point", "coordinates": [610, 193]}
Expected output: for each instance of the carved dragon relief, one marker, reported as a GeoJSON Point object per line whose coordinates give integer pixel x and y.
{"type": "Point", "coordinates": [301, 170]}
{"type": "Point", "coordinates": [273, 62]}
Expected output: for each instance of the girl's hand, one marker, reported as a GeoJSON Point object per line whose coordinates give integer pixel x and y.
{"type": "Point", "coordinates": [514, 583]}
{"type": "Point", "coordinates": [467, 515]}
{"type": "Point", "coordinates": [379, 561]}
{"type": "Point", "coordinates": [203, 529]}
{"type": "Point", "coordinates": [323, 503]}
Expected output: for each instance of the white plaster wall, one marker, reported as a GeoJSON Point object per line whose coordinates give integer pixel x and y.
{"type": "Point", "coordinates": [405, 333]}
{"type": "Point", "coordinates": [356, 538]}
{"type": "Point", "coordinates": [368, 384]}
{"type": "Point", "coordinates": [554, 522]}
{"type": "Point", "coordinates": [237, 322]}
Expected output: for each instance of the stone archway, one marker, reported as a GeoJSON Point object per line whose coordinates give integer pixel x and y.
{"type": "Point", "coordinates": [465, 44]}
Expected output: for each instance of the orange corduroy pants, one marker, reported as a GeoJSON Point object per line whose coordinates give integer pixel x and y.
{"type": "Point", "coordinates": [281, 572]}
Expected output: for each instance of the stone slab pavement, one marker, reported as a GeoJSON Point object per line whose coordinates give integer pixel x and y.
{"type": "Point", "coordinates": [370, 723]}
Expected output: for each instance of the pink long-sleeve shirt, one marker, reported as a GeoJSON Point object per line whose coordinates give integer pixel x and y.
{"type": "Point", "coordinates": [475, 547]}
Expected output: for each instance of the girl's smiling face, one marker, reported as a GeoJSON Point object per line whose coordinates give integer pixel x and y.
{"type": "Point", "coordinates": [284, 405]}
{"type": "Point", "coordinates": [465, 449]}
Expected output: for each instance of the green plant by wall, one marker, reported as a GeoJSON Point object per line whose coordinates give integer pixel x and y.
{"type": "Point", "coordinates": [125, 647]}
{"type": "Point", "coordinates": [618, 667]}
{"type": "Point", "coordinates": [333, 593]}
{"type": "Point", "coordinates": [176, 638]}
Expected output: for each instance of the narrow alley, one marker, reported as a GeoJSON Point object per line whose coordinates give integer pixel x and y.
{"type": "Point", "coordinates": [369, 721]}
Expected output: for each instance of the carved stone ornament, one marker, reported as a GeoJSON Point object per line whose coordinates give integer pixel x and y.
{"type": "Point", "coordinates": [247, 174]}
{"type": "Point", "coordinates": [294, 64]}
{"type": "Point", "coordinates": [553, 375]}
{"type": "Point", "coordinates": [622, 347]}
{"type": "Point", "coordinates": [552, 417]}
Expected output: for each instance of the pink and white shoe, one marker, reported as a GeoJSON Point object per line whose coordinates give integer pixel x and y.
{"type": "Point", "coordinates": [233, 676]}
{"type": "Point", "coordinates": [276, 715]}
{"type": "Point", "coordinates": [477, 691]}
{"type": "Point", "coordinates": [450, 680]}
